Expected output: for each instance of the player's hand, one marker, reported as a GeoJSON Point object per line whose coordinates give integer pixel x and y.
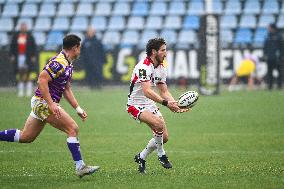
{"type": "Point", "coordinates": [55, 109]}
{"type": "Point", "coordinates": [83, 116]}
{"type": "Point", "coordinates": [182, 110]}
{"type": "Point", "coordinates": [172, 105]}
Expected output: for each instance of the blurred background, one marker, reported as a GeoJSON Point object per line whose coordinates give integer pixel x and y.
{"type": "Point", "coordinates": [125, 26]}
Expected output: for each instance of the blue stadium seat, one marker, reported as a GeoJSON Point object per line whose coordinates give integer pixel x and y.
{"type": "Point", "coordinates": [88, 1]}
{"type": "Point", "coordinates": [7, 24]}
{"type": "Point", "coordinates": [28, 21]}
{"type": "Point", "coordinates": [251, 7]}
{"type": "Point", "coordinates": [116, 23]}
{"type": "Point", "coordinates": [51, 1]}
{"type": "Point", "coordinates": [42, 24]}
{"type": "Point", "coordinates": [110, 39]}
{"type": "Point", "coordinates": [29, 10]}
{"type": "Point", "coordinates": [248, 21]}
{"type": "Point", "coordinates": [79, 23]}
{"type": "Point", "coordinates": [226, 38]}
{"type": "Point", "coordinates": [54, 39]}
{"type": "Point", "coordinates": [78, 33]}
{"type": "Point", "coordinates": [33, 1]}
{"type": "Point", "coordinates": [99, 22]}
{"type": "Point", "coordinates": [84, 9]}
{"type": "Point", "coordinates": [145, 36]}
{"type": "Point", "coordinates": [136, 22]}
{"type": "Point", "coordinates": [270, 7]}
{"type": "Point", "coordinates": [15, 1]}
{"type": "Point", "coordinates": [196, 8]}
{"type": "Point", "coordinates": [65, 9]}
{"type": "Point", "coordinates": [47, 10]}
{"type": "Point", "coordinates": [282, 8]}
{"type": "Point", "coordinates": [259, 37]}
{"type": "Point", "coordinates": [217, 7]}
{"type": "Point", "coordinates": [243, 36]}
{"type": "Point", "coordinates": [169, 35]}
{"type": "Point", "coordinates": [103, 9]}
{"type": "Point", "coordinates": [233, 7]}
{"type": "Point", "coordinates": [4, 39]}
{"type": "Point", "coordinates": [154, 22]}
{"type": "Point", "coordinates": [121, 9]}
{"type": "Point", "coordinates": [10, 10]}
{"type": "Point", "coordinates": [69, 1]}
{"type": "Point", "coordinates": [173, 22]}
{"type": "Point", "coordinates": [265, 20]}
{"type": "Point", "coordinates": [191, 22]}
{"type": "Point", "coordinates": [140, 9]}
{"type": "Point", "coordinates": [129, 38]}
{"type": "Point", "coordinates": [61, 24]}
{"type": "Point", "coordinates": [280, 22]}
{"type": "Point", "coordinates": [228, 21]}
{"type": "Point", "coordinates": [177, 8]}
{"type": "Point", "coordinates": [187, 38]}
{"type": "Point", "coordinates": [40, 38]}
{"type": "Point", "coordinates": [158, 8]}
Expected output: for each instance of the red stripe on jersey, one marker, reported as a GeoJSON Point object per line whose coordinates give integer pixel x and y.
{"type": "Point", "coordinates": [132, 84]}
{"type": "Point", "coordinates": [147, 61]}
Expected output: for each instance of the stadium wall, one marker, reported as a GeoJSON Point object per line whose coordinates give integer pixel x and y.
{"type": "Point", "coordinates": [121, 61]}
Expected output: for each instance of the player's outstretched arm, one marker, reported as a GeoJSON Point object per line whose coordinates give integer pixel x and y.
{"type": "Point", "coordinates": [149, 93]}
{"type": "Point", "coordinates": [165, 93]}
{"type": "Point", "coordinates": [69, 96]}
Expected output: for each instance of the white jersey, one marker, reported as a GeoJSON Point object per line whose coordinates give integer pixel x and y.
{"type": "Point", "coordinates": [144, 71]}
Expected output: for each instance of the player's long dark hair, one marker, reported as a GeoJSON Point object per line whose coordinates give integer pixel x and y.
{"type": "Point", "coordinates": [154, 43]}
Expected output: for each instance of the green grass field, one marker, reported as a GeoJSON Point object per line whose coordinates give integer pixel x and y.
{"type": "Point", "coordinates": [235, 140]}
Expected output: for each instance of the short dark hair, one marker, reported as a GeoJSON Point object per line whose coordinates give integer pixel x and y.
{"type": "Point", "coordinates": [154, 43]}
{"type": "Point", "coordinates": [70, 41]}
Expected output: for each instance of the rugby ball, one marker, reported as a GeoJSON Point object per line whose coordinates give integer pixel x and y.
{"type": "Point", "coordinates": [188, 99]}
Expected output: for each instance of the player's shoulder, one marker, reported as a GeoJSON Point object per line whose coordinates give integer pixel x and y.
{"type": "Point", "coordinates": [61, 59]}
{"type": "Point", "coordinates": [144, 63]}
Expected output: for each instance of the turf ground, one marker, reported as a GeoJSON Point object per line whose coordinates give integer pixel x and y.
{"type": "Point", "coordinates": [235, 140]}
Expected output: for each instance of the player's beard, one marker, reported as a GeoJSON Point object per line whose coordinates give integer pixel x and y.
{"type": "Point", "coordinates": [158, 60]}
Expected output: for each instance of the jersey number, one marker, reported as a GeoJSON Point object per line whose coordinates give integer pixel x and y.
{"type": "Point", "coordinates": [142, 74]}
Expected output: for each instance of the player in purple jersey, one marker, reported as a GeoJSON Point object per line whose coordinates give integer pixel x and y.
{"type": "Point", "coordinates": [53, 82]}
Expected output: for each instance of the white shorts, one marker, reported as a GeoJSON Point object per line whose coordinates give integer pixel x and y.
{"type": "Point", "coordinates": [22, 62]}
{"type": "Point", "coordinates": [135, 110]}
{"type": "Point", "coordinates": [39, 108]}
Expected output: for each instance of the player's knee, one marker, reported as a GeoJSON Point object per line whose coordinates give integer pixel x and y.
{"type": "Point", "coordinates": [159, 125]}
{"type": "Point", "coordinates": [73, 130]}
{"type": "Point", "coordinates": [165, 138]}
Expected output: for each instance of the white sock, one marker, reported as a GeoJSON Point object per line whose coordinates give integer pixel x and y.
{"type": "Point", "coordinates": [159, 143]}
{"type": "Point", "coordinates": [29, 88]}
{"type": "Point", "coordinates": [151, 146]}
{"type": "Point", "coordinates": [17, 136]}
{"type": "Point", "coordinates": [21, 89]}
{"type": "Point", "coordinates": [79, 164]}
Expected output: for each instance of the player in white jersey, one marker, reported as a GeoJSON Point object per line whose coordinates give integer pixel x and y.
{"type": "Point", "coordinates": [142, 99]}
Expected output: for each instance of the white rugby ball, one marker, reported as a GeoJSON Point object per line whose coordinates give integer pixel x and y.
{"type": "Point", "coordinates": [188, 99]}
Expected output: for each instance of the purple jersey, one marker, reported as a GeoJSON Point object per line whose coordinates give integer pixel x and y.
{"type": "Point", "coordinates": [60, 70]}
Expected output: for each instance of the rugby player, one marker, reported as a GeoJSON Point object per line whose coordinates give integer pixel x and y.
{"type": "Point", "coordinates": [149, 73]}
{"type": "Point", "coordinates": [53, 82]}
